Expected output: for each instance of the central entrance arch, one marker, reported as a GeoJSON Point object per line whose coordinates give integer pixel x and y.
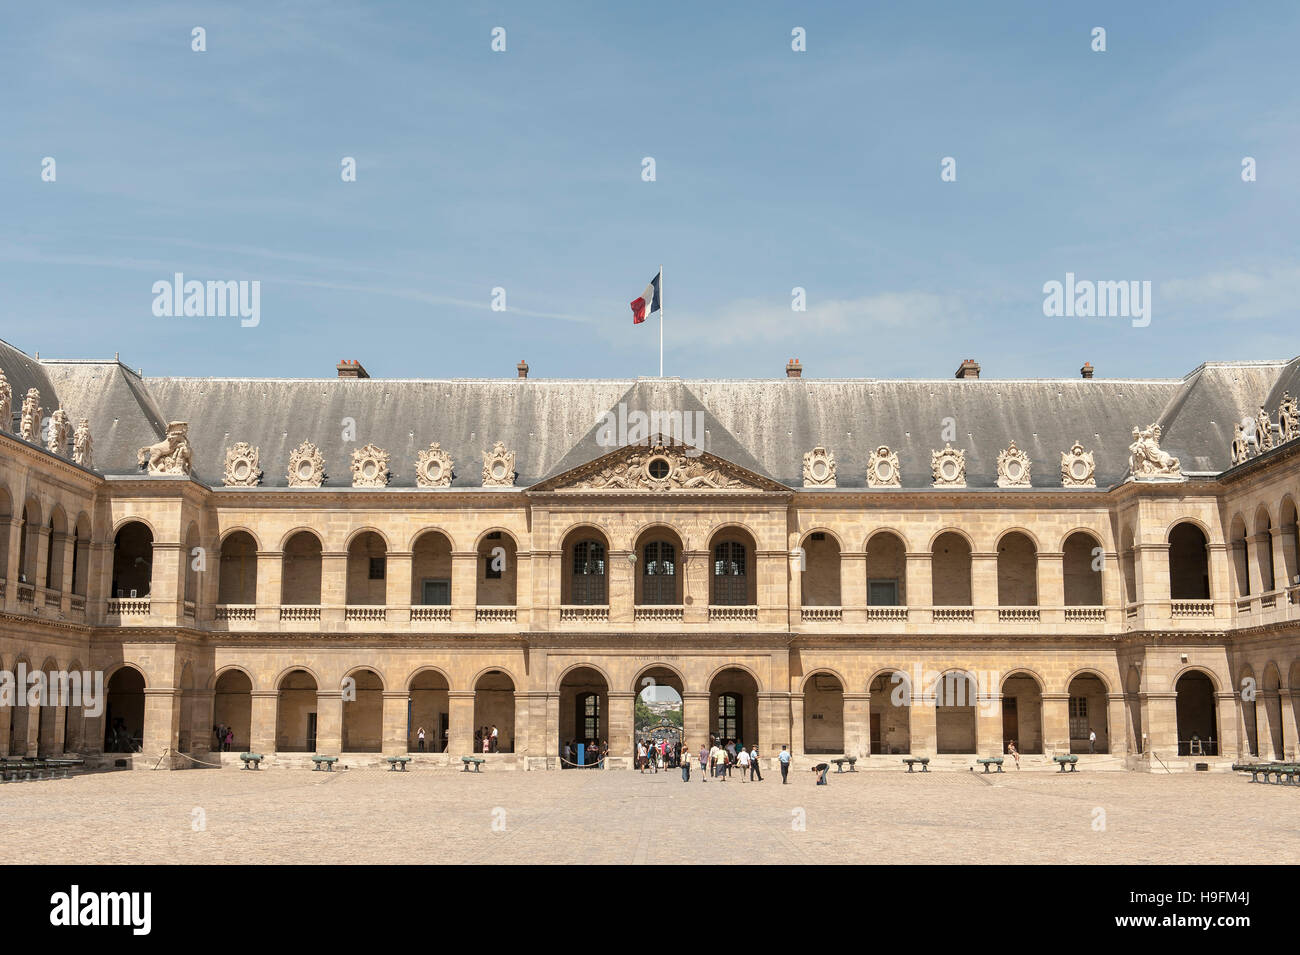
{"type": "Point", "coordinates": [584, 713]}
{"type": "Point", "coordinates": [733, 706]}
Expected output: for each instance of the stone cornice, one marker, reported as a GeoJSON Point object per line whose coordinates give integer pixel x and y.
{"type": "Point", "coordinates": [11, 443]}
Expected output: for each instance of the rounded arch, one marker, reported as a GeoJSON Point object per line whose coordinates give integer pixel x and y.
{"type": "Point", "coordinates": [1023, 671]}
{"type": "Point", "coordinates": [890, 530]}
{"type": "Point", "coordinates": [115, 669]}
{"type": "Point", "coordinates": [431, 529]}
{"type": "Point", "coordinates": [1189, 561]}
{"type": "Point", "coordinates": [821, 529]}
{"type": "Point", "coordinates": [574, 667]}
{"type": "Point", "coordinates": [1022, 531]}
{"type": "Point", "coordinates": [493, 668]}
{"type": "Point", "coordinates": [1098, 538]}
{"type": "Point", "coordinates": [732, 551]}
{"type": "Point", "coordinates": [887, 673]}
{"type": "Point", "coordinates": [356, 532]}
{"type": "Point", "coordinates": [427, 668]}
{"type": "Point", "coordinates": [660, 551]}
{"type": "Point", "coordinates": [1092, 672]}
{"type": "Point", "coordinates": [231, 668]}
{"type": "Point", "coordinates": [365, 668]}
{"type": "Point", "coordinates": [124, 521]}
{"type": "Point", "coordinates": [238, 529]}
{"type": "Point", "coordinates": [1205, 671]}
{"type": "Point", "coordinates": [965, 536]}
{"type": "Point", "coordinates": [675, 671]}
{"type": "Point", "coordinates": [586, 527]}
{"type": "Point", "coordinates": [1194, 521]}
{"type": "Point", "coordinates": [644, 534]}
{"type": "Point", "coordinates": [1263, 518]}
{"type": "Point", "coordinates": [585, 565]}
{"type": "Point", "coordinates": [731, 527]}
{"type": "Point", "coordinates": [744, 668]}
{"type": "Point", "coordinates": [824, 671]}
{"type": "Point", "coordinates": [301, 529]}
{"type": "Point", "coordinates": [504, 531]}
{"type": "Point", "coordinates": [280, 677]}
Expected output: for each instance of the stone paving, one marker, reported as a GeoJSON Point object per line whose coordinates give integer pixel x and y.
{"type": "Point", "coordinates": [374, 816]}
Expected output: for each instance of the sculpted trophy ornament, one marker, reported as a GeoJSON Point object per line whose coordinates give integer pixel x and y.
{"type": "Point", "coordinates": [370, 467]}
{"type": "Point", "coordinates": [56, 442]}
{"type": "Point", "coordinates": [6, 403]}
{"type": "Point", "coordinates": [948, 467]}
{"type": "Point", "coordinates": [1263, 430]}
{"type": "Point", "coordinates": [171, 455]}
{"type": "Point", "coordinates": [82, 447]}
{"type": "Point", "coordinates": [882, 468]}
{"type": "Point", "coordinates": [242, 466]}
{"type": "Point", "coordinates": [499, 466]}
{"type": "Point", "coordinates": [433, 467]}
{"type": "Point", "coordinates": [819, 468]}
{"type": "Point", "coordinates": [1078, 468]}
{"type": "Point", "coordinates": [1013, 467]}
{"type": "Point", "coordinates": [306, 466]}
{"type": "Point", "coordinates": [1146, 462]}
{"type": "Point", "coordinates": [1288, 417]}
{"type": "Point", "coordinates": [30, 425]}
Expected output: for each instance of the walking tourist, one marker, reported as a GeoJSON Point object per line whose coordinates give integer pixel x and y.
{"type": "Point", "coordinates": [704, 763]}
{"type": "Point", "coordinates": [754, 771]}
{"type": "Point", "coordinates": [686, 768]}
{"type": "Point", "coordinates": [784, 757]}
{"type": "Point", "coordinates": [1092, 740]}
{"type": "Point", "coordinates": [742, 760]}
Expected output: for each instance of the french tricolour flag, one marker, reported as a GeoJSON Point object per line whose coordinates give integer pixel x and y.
{"type": "Point", "coordinates": [648, 302]}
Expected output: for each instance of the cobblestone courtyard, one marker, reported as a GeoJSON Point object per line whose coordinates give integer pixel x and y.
{"type": "Point", "coordinates": [623, 817]}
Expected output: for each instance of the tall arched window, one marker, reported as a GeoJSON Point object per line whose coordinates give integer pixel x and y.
{"type": "Point", "coordinates": [659, 573]}
{"type": "Point", "coordinates": [729, 722]}
{"type": "Point", "coordinates": [729, 582]}
{"type": "Point", "coordinates": [589, 573]}
{"type": "Point", "coordinates": [587, 718]}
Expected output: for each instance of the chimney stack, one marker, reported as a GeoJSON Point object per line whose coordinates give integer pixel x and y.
{"type": "Point", "coordinates": [969, 368]}
{"type": "Point", "coordinates": [1086, 370]}
{"type": "Point", "coordinates": [351, 368]}
{"type": "Point", "coordinates": [522, 368]}
{"type": "Point", "coordinates": [793, 369]}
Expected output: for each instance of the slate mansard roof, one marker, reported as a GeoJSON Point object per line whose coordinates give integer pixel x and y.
{"type": "Point", "coordinates": [764, 425]}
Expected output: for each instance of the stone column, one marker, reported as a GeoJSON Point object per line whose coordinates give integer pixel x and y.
{"type": "Point", "coordinates": [853, 588]}
{"type": "Point", "coordinates": [464, 598]}
{"type": "Point", "coordinates": [796, 723]}
{"type": "Point", "coordinates": [396, 734]}
{"type": "Point", "coordinates": [984, 585]}
{"type": "Point", "coordinates": [920, 586]}
{"type": "Point", "coordinates": [1056, 723]}
{"type": "Point", "coordinates": [13, 565]}
{"type": "Point", "coordinates": [524, 590]}
{"type": "Point", "coordinates": [1112, 588]}
{"type": "Point", "coordinates": [460, 722]}
{"type": "Point", "coordinates": [988, 725]}
{"type": "Point", "coordinates": [922, 722]}
{"type": "Point", "coordinates": [39, 537]}
{"type": "Point", "coordinates": [1160, 723]}
{"type": "Point", "coordinates": [333, 594]}
{"type": "Point", "coordinates": [532, 704]}
{"type": "Point", "coordinates": [771, 591]}
{"type": "Point", "coordinates": [1285, 553]}
{"type": "Point", "coordinates": [622, 589]}
{"type": "Point", "coordinates": [695, 587]}
{"type": "Point", "coordinates": [6, 720]}
{"type": "Point", "coordinates": [1264, 723]}
{"type": "Point", "coordinates": [797, 567]}
{"type": "Point", "coordinates": [1151, 562]}
{"type": "Point", "coordinates": [397, 586]}
{"type": "Point", "coordinates": [774, 723]}
{"type": "Point", "coordinates": [1261, 549]}
{"type": "Point", "coordinates": [1227, 720]}
{"type": "Point", "coordinates": [201, 721]}
{"type": "Point", "coordinates": [32, 743]}
{"type": "Point", "coordinates": [1051, 587]}
{"type": "Point", "coordinates": [67, 543]}
{"type": "Point", "coordinates": [268, 595]}
{"type": "Point", "coordinates": [1289, 728]}
{"type": "Point", "coordinates": [1117, 732]}
{"type": "Point", "coordinates": [857, 724]}
{"type": "Point", "coordinates": [329, 722]}
{"type": "Point", "coordinates": [622, 719]}
{"type": "Point", "coordinates": [161, 720]}
{"type": "Point", "coordinates": [100, 580]}
{"type": "Point", "coordinates": [695, 719]}
{"type": "Point", "coordinates": [265, 709]}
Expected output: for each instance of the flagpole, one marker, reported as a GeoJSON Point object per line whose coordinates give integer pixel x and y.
{"type": "Point", "coordinates": [661, 321]}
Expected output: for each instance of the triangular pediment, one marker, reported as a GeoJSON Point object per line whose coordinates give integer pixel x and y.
{"type": "Point", "coordinates": [659, 465]}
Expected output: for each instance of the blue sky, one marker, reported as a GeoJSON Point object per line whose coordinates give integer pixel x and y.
{"type": "Point", "coordinates": [775, 169]}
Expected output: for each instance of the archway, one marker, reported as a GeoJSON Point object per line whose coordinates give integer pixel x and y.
{"type": "Point", "coordinates": [732, 572]}
{"type": "Point", "coordinates": [232, 708]}
{"type": "Point", "coordinates": [1264, 551]}
{"type": "Point", "coordinates": [659, 563]}
{"type": "Point", "coordinates": [891, 713]}
{"type": "Point", "coordinates": [47, 732]}
{"type": "Point", "coordinates": [1089, 712]}
{"type": "Point", "coordinates": [585, 581]}
{"type": "Point", "coordinates": [820, 583]}
{"type": "Point", "coordinates": [1287, 524]}
{"type": "Point", "coordinates": [1275, 744]}
{"type": "Point", "coordinates": [498, 571]}
{"type": "Point", "coordinates": [55, 573]}
{"type": "Point", "coordinates": [301, 574]}
{"type": "Point", "coordinates": [1239, 545]}
{"type": "Point", "coordinates": [29, 537]}
{"type": "Point", "coordinates": [1197, 720]}
{"type": "Point", "coordinates": [823, 714]}
{"type": "Point", "coordinates": [658, 709]}
{"type": "Point", "coordinates": [132, 560]}
{"type": "Point", "coordinates": [955, 697]}
{"type": "Point", "coordinates": [367, 571]}
{"type": "Point", "coordinates": [494, 705]}
{"type": "Point", "coordinates": [295, 713]}
{"type": "Point", "coordinates": [951, 570]}
{"type": "Point", "coordinates": [1128, 563]}
{"type": "Point", "coordinates": [733, 707]}
{"type": "Point", "coordinates": [363, 716]}
{"type": "Point", "coordinates": [1022, 713]}
{"type": "Point", "coordinates": [124, 711]}
{"type": "Point", "coordinates": [81, 555]}
{"type": "Point", "coordinates": [584, 714]}
{"type": "Point", "coordinates": [431, 574]}
{"type": "Point", "coordinates": [20, 716]}
{"type": "Point", "coordinates": [1081, 567]}
{"type": "Point", "coordinates": [886, 570]}
{"type": "Point", "coordinates": [1017, 571]}
{"type": "Point", "coordinates": [430, 710]}
{"type": "Point", "coordinates": [237, 574]}
{"type": "Point", "coordinates": [1189, 563]}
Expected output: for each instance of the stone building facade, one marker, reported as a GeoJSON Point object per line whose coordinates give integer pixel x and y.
{"type": "Point", "coordinates": [862, 566]}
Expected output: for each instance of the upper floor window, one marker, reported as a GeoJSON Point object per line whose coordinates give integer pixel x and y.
{"type": "Point", "coordinates": [730, 585]}
{"type": "Point", "coordinates": [588, 572]}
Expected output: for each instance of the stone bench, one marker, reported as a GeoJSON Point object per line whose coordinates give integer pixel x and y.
{"type": "Point", "coordinates": [913, 760]}
{"type": "Point", "coordinates": [1068, 760]}
{"type": "Point", "coordinates": [467, 761]}
{"type": "Point", "coordinates": [839, 764]}
{"type": "Point", "coordinates": [326, 761]}
{"type": "Point", "coordinates": [397, 762]}
{"type": "Point", "coordinates": [988, 761]}
{"type": "Point", "coordinates": [251, 760]}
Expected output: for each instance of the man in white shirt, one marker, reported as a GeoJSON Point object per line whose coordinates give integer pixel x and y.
{"type": "Point", "coordinates": [1092, 741]}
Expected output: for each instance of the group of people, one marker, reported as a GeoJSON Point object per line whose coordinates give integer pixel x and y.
{"type": "Point", "coordinates": [593, 754]}
{"type": "Point", "coordinates": [225, 737]}
{"type": "Point", "coordinates": [486, 739]}
{"type": "Point", "coordinates": [657, 754]}
{"type": "Point", "coordinates": [722, 757]}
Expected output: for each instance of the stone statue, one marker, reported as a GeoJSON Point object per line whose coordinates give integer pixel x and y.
{"type": "Point", "coordinates": [170, 455]}
{"type": "Point", "coordinates": [1263, 430]}
{"type": "Point", "coordinates": [56, 442]}
{"type": "Point", "coordinates": [82, 452]}
{"type": "Point", "coordinates": [6, 403]}
{"type": "Point", "coordinates": [1147, 462]}
{"type": "Point", "coordinates": [1288, 418]}
{"type": "Point", "coordinates": [31, 421]}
